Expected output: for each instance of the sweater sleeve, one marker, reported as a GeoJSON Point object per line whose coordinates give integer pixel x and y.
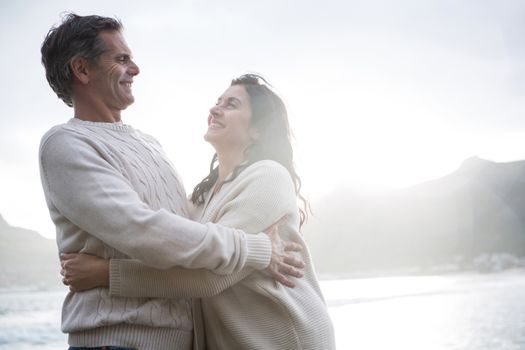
{"type": "Point", "coordinates": [263, 196]}
{"type": "Point", "coordinates": [88, 191]}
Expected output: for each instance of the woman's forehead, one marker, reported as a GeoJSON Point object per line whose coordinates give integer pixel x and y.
{"type": "Point", "coordinates": [237, 91]}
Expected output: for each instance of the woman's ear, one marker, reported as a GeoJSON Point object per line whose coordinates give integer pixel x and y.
{"type": "Point", "coordinates": [80, 70]}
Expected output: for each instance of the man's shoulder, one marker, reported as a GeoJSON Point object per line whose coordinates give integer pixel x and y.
{"type": "Point", "coordinates": [63, 135]}
{"type": "Point", "coordinates": [54, 132]}
{"type": "Point", "coordinates": [73, 130]}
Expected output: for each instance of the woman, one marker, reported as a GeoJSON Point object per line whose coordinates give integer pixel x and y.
{"type": "Point", "coordinates": [252, 183]}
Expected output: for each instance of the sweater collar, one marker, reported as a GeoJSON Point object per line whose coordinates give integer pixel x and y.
{"type": "Point", "coordinates": [117, 126]}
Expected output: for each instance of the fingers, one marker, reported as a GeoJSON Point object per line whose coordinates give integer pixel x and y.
{"type": "Point", "coordinates": [282, 279]}
{"type": "Point", "coordinates": [289, 270]}
{"type": "Point", "coordinates": [281, 220]}
{"type": "Point", "coordinates": [64, 268]}
{"type": "Point", "coordinates": [290, 246]}
{"type": "Point", "coordinates": [67, 256]}
{"type": "Point", "coordinates": [63, 272]}
{"type": "Point", "coordinates": [66, 261]}
{"type": "Point", "coordinates": [274, 228]}
{"type": "Point", "coordinates": [294, 262]}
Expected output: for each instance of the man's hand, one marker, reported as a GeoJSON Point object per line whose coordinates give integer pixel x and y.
{"type": "Point", "coordinates": [284, 261]}
{"type": "Point", "coordinates": [82, 271]}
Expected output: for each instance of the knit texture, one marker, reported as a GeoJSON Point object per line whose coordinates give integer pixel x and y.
{"type": "Point", "coordinates": [244, 310]}
{"type": "Point", "coordinates": [112, 192]}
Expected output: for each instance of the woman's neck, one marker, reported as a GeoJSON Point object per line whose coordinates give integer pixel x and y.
{"type": "Point", "coordinates": [228, 161]}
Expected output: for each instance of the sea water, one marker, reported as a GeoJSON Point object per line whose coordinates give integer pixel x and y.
{"type": "Point", "coordinates": [31, 320]}
{"type": "Point", "coordinates": [451, 312]}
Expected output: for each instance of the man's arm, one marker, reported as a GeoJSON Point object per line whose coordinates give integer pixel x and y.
{"type": "Point", "coordinates": [266, 194]}
{"type": "Point", "coordinates": [89, 192]}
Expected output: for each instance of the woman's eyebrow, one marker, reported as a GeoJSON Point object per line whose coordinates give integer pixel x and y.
{"type": "Point", "coordinates": [234, 99]}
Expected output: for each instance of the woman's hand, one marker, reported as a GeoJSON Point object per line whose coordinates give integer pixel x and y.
{"type": "Point", "coordinates": [83, 271]}
{"type": "Point", "coordinates": [284, 260]}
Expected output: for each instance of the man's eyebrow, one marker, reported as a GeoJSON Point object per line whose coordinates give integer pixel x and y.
{"type": "Point", "coordinates": [123, 55]}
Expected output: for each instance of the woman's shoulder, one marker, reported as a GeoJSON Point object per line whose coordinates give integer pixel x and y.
{"type": "Point", "coordinates": [267, 166]}
{"type": "Point", "coordinates": [267, 174]}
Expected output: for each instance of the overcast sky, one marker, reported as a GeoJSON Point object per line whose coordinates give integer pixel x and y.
{"type": "Point", "coordinates": [379, 92]}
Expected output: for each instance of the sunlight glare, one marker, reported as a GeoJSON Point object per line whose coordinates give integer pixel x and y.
{"type": "Point", "coordinates": [396, 308]}
{"type": "Point", "coordinates": [364, 143]}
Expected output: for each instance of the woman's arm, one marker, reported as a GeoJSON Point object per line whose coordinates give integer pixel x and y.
{"type": "Point", "coordinates": [131, 278]}
{"type": "Point", "coordinates": [260, 197]}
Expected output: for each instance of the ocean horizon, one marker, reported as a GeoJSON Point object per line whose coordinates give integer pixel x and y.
{"type": "Point", "coordinates": [462, 311]}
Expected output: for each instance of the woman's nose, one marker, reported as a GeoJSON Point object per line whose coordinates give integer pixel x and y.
{"type": "Point", "coordinates": [215, 110]}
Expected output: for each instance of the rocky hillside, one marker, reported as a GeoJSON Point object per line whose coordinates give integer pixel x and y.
{"type": "Point", "coordinates": [454, 222]}
{"type": "Point", "coordinates": [28, 260]}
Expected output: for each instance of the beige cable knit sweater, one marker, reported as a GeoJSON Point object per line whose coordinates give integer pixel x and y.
{"type": "Point", "coordinates": [111, 192]}
{"type": "Point", "coordinates": [244, 310]}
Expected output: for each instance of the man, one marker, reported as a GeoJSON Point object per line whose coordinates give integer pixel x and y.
{"type": "Point", "coordinates": [112, 192]}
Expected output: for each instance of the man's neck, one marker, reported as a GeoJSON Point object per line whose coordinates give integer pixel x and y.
{"type": "Point", "coordinates": [97, 117]}
{"type": "Point", "coordinates": [95, 111]}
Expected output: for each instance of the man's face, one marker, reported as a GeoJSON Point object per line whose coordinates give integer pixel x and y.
{"type": "Point", "coordinates": [111, 78]}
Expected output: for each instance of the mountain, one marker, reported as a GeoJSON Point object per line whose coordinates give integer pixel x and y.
{"type": "Point", "coordinates": [28, 260]}
{"type": "Point", "coordinates": [451, 222]}
{"type": "Point", "coordinates": [473, 218]}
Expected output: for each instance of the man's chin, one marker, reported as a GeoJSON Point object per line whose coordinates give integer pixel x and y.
{"type": "Point", "coordinates": [128, 102]}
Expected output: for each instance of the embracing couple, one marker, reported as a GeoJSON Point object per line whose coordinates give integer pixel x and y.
{"type": "Point", "coordinates": [146, 267]}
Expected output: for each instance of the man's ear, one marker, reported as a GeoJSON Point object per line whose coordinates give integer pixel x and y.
{"type": "Point", "coordinates": [80, 70]}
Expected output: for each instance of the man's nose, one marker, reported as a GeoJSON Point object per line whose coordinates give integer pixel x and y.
{"type": "Point", "coordinates": [134, 68]}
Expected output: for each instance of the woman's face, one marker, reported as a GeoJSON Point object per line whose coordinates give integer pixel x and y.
{"type": "Point", "coordinates": [229, 122]}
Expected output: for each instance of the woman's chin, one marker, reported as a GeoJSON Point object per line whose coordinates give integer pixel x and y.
{"type": "Point", "coordinates": [212, 139]}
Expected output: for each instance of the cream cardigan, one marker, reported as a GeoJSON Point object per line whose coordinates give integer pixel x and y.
{"type": "Point", "coordinates": [244, 310]}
